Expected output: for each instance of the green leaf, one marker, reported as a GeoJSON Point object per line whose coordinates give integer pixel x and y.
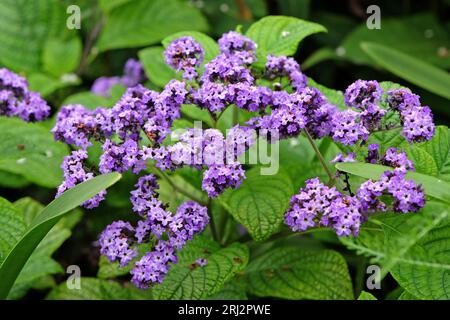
{"type": "Point", "coordinates": [12, 226]}
{"type": "Point", "coordinates": [293, 273]}
{"type": "Point", "coordinates": [92, 101]}
{"type": "Point", "coordinates": [98, 289]}
{"type": "Point", "coordinates": [186, 280]}
{"type": "Point", "coordinates": [366, 296]}
{"type": "Point", "coordinates": [232, 290]}
{"type": "Point", "coordinates": [260, 202]}
{"type": "Point", "coordinates": [405, 295]}
{"type": "Point", "coordinates": [25, 27]}
{"type": "Point", "coordinates": [432, 157]}
{"type": "Point", "coordinates": [433, 187]}
{"type": "Point", "coordinates": [155, 67]}
{"type": "Point", "coordinates": [141, 23]}
{"type": "Point", "coordinates": [209, 45]}
{"type": "Point", "coordinates": [409, 68]}
{"type": "Point", "coordinates": [46, 84]}
{"type": "Point", "coordinates": [280, 35]}
{"type": "Point", "coordinates": [412, 247]}
{"type": "Point", "coordinates": [29, 150]}
{"type": "Point", "coordinates": [12, 180]}
{"type": "Point", "coordinates": [61, 56]}
{"type": "Point", "coordinates": [412, 30]}
{"type": "Point", "coordinates": [22, 250]}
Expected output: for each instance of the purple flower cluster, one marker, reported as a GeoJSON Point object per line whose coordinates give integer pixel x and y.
{"type": "Point", "coordinates": [407, 196]}
{"type": "Point", "coordinates": [185, 54]}
{"type": "Point", "coordinates": [277, 67]}
{"type": "Point", "coordinates": [208, 148]}
{"type": "Point", "coordinates": [417, 120]}
{"type": "Point", "coordinates": [168, 232]}
{"type": "Point", "coordinates": [133, 74]}
{"type": "Point", "coordinates": [319, 205]}
{"type": "Point", "coordinates": [236, 45]}
{"type": "Point", "coordinates": [77, 125]}
{"type": "Point", "coordinates": [361, 94]}
{"type": "Point", "coordinates": [17, 100]}
{"type": "Point", "coordinates": [74, 173]}
{"type": "Point", "coordinates": [116, 241]}
{"type": "Point", "coordinates": [347, 128]}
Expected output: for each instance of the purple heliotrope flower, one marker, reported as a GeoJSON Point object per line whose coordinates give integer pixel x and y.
{"type": "Point", "coordinates": [115, 242]}
{"type": "Point", "coordinates": [347, 128]}
{"type": "Point", "coordinates": [218, 178]}
{"type": "Point", "coordinates": [319, 205]}
{"type": "Point", "coordinates": [285, 67]}
{"type": "Point", "coordinates": [17, 100]}
{"type": "Point", "coordinates": [185, 54]}
{"type": "Point", "coordinates": [239, 46]}
{"type": "Point", "coordinates": [74, 173]}
{"type": "Point", "coordinates": [362, 93]}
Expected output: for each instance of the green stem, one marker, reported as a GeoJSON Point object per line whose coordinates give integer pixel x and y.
{"type": "Point", "coordinates": [178, 189]}
{"type": "Point", "coordinates": [320, 156]}
{"type": "Point", "coordinates": [212, 223]}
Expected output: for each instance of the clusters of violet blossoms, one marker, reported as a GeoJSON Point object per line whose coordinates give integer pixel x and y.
{"type": "Point", "coordinates": [282, 111]}
{"type": "Point", "coordinates": [133, 74]}
{"type": "Point", "coordinates": [166, 231]}
{"type": "Point", "coordinates": [16, 99]}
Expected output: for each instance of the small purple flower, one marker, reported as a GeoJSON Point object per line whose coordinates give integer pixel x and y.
{"type": "Point", "coordinates": [372, 153]}
{"type": "Point", "coordinates": [185, 54]}
{"type": "Point", "coordinates": [75, 173]}
{"type": "Point", "coordinates": [287, 67]}
{"type": "Point", "coordinates": [362, 93]}
{"type": "Point", "coordinates": [401, 99]}
{"type": "Point", "coordinates": [115, 242]}
{"type": "Point", "coordinates": [347, 128]}
{"type": "Point", "coordinates": [145, 190]}
{"type": "Point", "coordinates": [417, 123]}
{"type": "Point", "coordinates": [218, 178]}
{"type": "Point", "coordinates": [239, 46]}
{"type": "Point", "coordinates": [17, 100]}
{"type": "Point", "coordinates": [201, 262]}
{"type": "Point", "coordinates": [102, 86]}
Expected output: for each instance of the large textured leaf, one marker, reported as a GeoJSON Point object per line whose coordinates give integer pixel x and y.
{"type": "Point", "coordinates": [12, 226]}
{"type": "Point", "coordinates": [155, 67]}
{"type": "Point", "coordinates": [29, 150]}
{"type": "Point", "coordinates": [188, 281]}
{"type": "Point", "coordinates": [141, 22]}
{"type": "Point", "coordinates": [366, 296]}
{"type": "Point", "coordinates": [260, 202]}
{"type": "Point", "coordinates": [98, 289]}
{"type": "Point", "coordinates": [61, 56]}
{"type": "Point", "coordinates": [433, 187]}
{"type": "Point", "coordinates": [413, 247]}
{"type": "Point", "coordinates": [421, 37]}
{"type": "Point", "coordinates": [44, 222]}
{"type": "Point", "coordinates": [293, 273]}
{"type": "Point", "coordinates": [280, 35]}
{"type": "Point", "coordinates": [25, 26]}
{"type": "Point", "coordinates": [409, 68]}
{"type": "Point", "coordinates": [47, 84]}
{"type": "Point", "coordinates": [432, 157]}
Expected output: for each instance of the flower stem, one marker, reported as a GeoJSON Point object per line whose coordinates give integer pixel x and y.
{"type": "Point", "coordinates": [212, 223]}
{"type": "Point", "coordinates": [319, 155]}
{"type": "Point", "coordinates": [178, 189]}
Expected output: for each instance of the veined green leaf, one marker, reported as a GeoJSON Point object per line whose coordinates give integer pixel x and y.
{"type": "Point", "coordinates": [142, 23]}
{"type": "Point", "coordinates": [292, 273]}
{"type": "Point", "coordinates": [260, 202]}
{"type": "Point", "coordinates": [280, 35]}
{"type": "Point", "coordinates": [186, 280]}
{"type": "Point", "coordinates": [29, 150]}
